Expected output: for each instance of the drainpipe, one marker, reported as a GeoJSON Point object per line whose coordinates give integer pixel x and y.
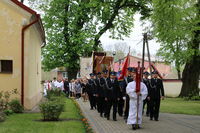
{"type": "Point", "coordinates": [22, 55]}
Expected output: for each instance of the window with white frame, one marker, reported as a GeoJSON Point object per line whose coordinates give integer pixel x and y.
{"type": "Point", "coordinates": [64, 74]}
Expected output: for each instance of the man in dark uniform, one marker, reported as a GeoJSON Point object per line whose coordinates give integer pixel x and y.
{"type": "Point", "coordinates": [127, 80]}
{"type": "Point", "coordinates": [121, 100]}
{"type": "Point", "coordinates": [91, 91]}
{"type": "Point", "coordinates": [154, 95]}
{"type": "Point", "coordinates": [146, 81]}
{"type": "Point", "coordinates": [100, 93]}
{"type": "Point", "coordinates": [112, 95]}
{"type": "Point", "coordinates": [103, 84]}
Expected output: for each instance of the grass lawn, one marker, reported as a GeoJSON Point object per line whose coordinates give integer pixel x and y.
{"type": "Point", "coordinates": [25, 123]}
{"type": "Point", "coordinates": [180, 106]}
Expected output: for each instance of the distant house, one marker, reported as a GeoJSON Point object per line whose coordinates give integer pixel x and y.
{"type": "Point", "coordinates": [161, 67]}
{"type": "Point", "coordinates": [58, 73]}
{"type": "Point", "coordinates": [21, 38]}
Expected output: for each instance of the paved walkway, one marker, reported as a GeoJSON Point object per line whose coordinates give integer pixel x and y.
{"type": "Point", "coordinates": [168, 123]}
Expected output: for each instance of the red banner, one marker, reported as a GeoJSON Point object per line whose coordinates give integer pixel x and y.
{"type": "Point", "coordinates": [124, 68]}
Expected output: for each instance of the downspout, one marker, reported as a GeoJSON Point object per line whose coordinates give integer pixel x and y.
{"type": "Point", "coordinates": [22, 56]}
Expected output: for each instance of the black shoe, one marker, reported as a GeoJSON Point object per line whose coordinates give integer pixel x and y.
{"type": "Point", "coordinates": [133, 127]}
{"type": "Point", "coordinates": [156, 119]}
{"type": "Point", "coordinates": [101, 115]}
{"type": "Point", "coordinates": [114, 119]}
{"type": "Point", "coordinates": [105, 115]}
{"type": "Point", "coordinates": [108, 118]}
{"type": "Point", "coordinates": [151, 119]}
{"type": "Point", "coordinates": [120, 115]}
{"type": "Point", "coordinates": [91, 108]}
{"type": "Point", "coordinates": [147, 115]}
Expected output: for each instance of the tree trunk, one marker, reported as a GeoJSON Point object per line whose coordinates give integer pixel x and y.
{"type": "Point", "coordinates": [72, 73]}
{"type": "Point", "coordinates": [191, 71]}
{"type": "Point", "coordinates": [179, 73]}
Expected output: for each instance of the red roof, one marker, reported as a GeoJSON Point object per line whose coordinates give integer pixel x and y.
{"type": "Point", "coordinates": [24, 6]}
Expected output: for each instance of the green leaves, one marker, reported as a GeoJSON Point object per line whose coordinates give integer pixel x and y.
{"type": "Point", "coordinates": [74, 27]}
{"type": "Point", "coordinates": [174, 23]}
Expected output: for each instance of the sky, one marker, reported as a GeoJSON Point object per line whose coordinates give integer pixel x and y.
{"type": "Point", "coordinates": [135, 39]}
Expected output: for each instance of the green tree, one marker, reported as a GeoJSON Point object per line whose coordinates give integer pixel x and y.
{"type": "Point", "coordinates": [177, 26]}
{"type": "Point", "coordinates": [74, 27]}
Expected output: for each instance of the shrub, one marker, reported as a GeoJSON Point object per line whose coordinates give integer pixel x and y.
{"type": "Point", "coordinates": [51, 110]}
{"type": "Point", "coordinates": [2, 117]}
{"type": "Point", "coordinates": [15, 106]}
{"type": "Point", "coordinates": [55, 93]}
{"type": "Point", "coordinates": [8, 112]}
{"type": "Point", "coordinates": [5, 98]}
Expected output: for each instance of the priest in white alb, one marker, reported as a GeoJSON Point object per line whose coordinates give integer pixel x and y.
{"type": "Point", "coordinates": [131, 91]}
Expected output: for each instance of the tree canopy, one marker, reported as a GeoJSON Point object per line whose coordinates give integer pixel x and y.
{"type": "Point", "coordinates": [176, 25]}
{"type": "Point", "coordinates": [74, 27]}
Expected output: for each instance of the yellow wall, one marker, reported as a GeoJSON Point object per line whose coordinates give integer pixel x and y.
{"type": "Point", "coordinates": [10, 41]}
{"type": "Point", "coordinates": [12, 19]}
{"type": "Point", "coordinates": [34, 89]}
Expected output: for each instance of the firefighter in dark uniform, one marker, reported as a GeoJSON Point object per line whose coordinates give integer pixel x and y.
{"type": "Point", "coordinates": [156, 93]}
{"type": "Point", "coordinates": [100, 93]}
{"type": "Point", "coordinates": [146, 81]}
{"type": "Point", "coordinates": [91, 91]}
{"type": "Point", "coordinates": [121, 100]}
{"type": "Point", "coordinates": [127, 80]}
{"type": "Point", "coordinates": [103, 84]}
{"type": "Point", "coordinates": [112, 95]}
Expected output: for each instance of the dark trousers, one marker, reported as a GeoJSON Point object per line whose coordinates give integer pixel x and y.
{"type": "Point", "coordinates": [146, 102]}
{"type": "Point", "coordinates": [120, 106]}
{"type": "Point", "coordinates": [127, 107]}
{"type": "Point", "coordinates": [101, 105]}
{"type": "Point", "coordinates": [78, 95]}
{"type": "Point", "coordinates": [154, 108]}
{"type": "Point", "coordinates": [92, 100]}
{"type": "Point", "coordinates": [111, 103]}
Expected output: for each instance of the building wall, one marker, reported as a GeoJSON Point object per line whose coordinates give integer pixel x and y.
{"type": "Point", "coordinates": [11, 18]}
{"type": "Point", "coordinates": [85, 67]}
{"type": "Point", "coordinates": [33, 87]}
{"type": "Point", "coordinates": [49, 75]}
{"type": "Point", "coordinates": [172, 88]}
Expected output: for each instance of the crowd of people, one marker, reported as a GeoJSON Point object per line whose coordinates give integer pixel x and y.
{"type": "Point", "coordinates": [105, 92]}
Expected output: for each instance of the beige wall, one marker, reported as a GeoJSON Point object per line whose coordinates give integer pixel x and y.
{"type": "Point", "coordinates": [85, 67]}
{"type": "Point", "coordinates": [49, 75]}
{"type": "Point", "coordinates": [172, 88]}
{"type": "Point", "coordinates": [10, 41]}
{"type": "Point", "coordinates": [33, 87]}
{"type": "Point", "coordinates": [12, 18]}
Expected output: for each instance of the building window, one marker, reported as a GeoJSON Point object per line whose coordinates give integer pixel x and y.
{"type": "Point", "coordinates": [6, 66]}
{"type": "Point", "coordinates": [64, 74]}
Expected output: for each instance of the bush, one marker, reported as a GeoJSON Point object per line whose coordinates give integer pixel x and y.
{"type": "Point", "coordinates": [192, 98]}
{"type": "Point", "coordinates": [15, 106]}
{"type": "Point", "coordinates": [5, 98]}
{"type": "Point", "coordinates": [2, 117]}
{"type": "Point", "coordinates": [55, 93]}
{"type": "Point", "coordinates": [8, 112]}
{"type": "Point", "coordinates": [51, 110]}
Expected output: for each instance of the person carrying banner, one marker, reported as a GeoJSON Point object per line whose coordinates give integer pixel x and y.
{"type": "Point", "coordinates": [137, 92]}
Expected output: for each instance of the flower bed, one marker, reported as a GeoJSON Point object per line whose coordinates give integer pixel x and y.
{"type": "Point", "coordinates": [87, 126]}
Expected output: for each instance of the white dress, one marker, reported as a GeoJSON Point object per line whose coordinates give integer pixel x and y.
{"type": "Point", "coordinates": [130, 89]}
